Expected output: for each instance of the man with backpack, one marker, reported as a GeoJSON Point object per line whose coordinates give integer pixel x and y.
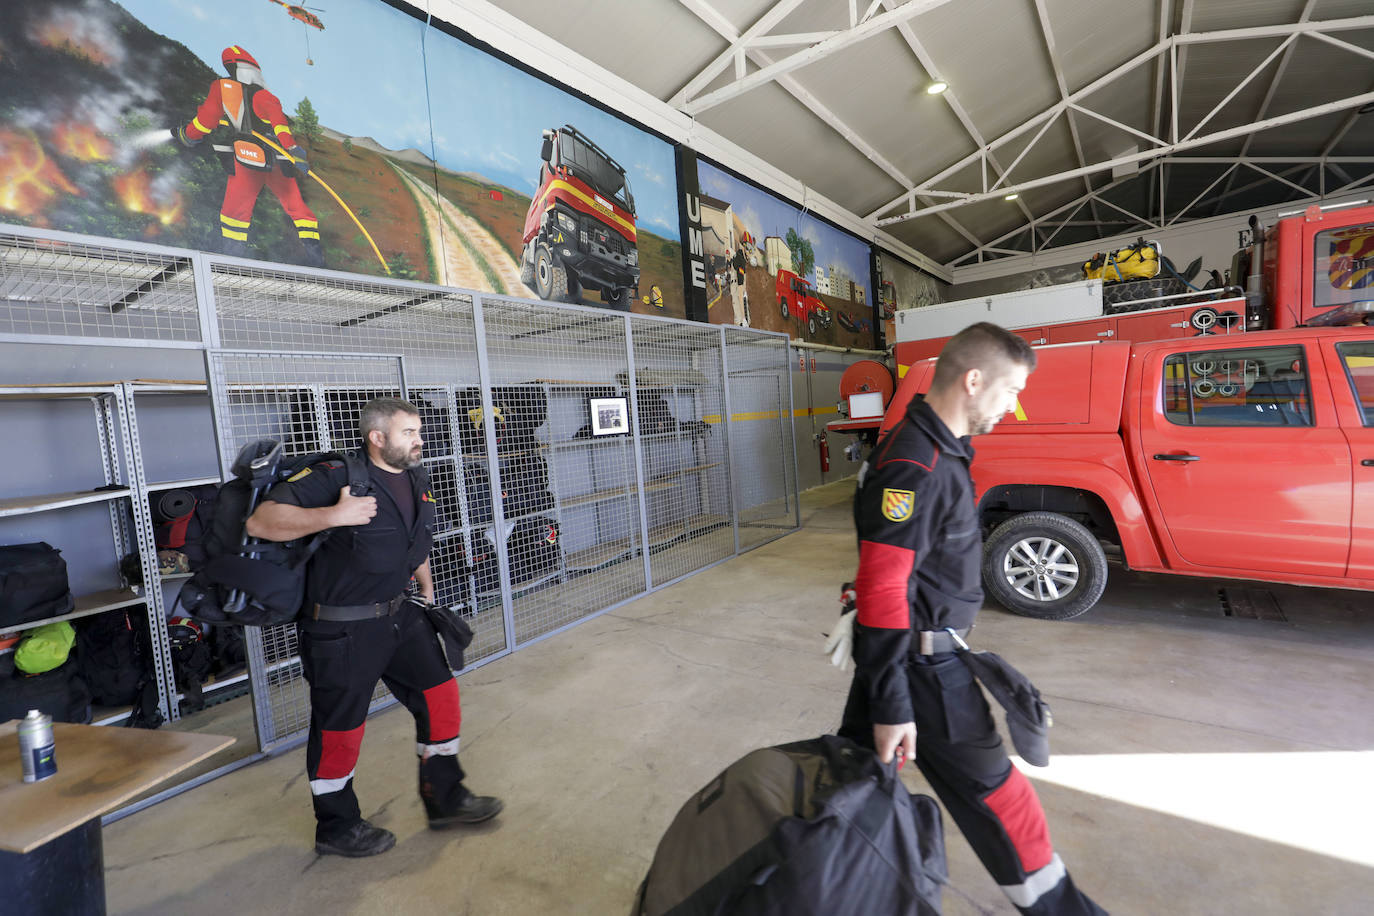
{"type": "Point", "coordinates": [358, 625]}
{"type": "Point", "coordinates": [917, 591]}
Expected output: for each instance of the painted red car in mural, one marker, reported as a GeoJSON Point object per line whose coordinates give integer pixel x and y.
{"type": "Point", "coordinates": [798, 299]}
{"type": "Point", "coordinates": [580, 227]}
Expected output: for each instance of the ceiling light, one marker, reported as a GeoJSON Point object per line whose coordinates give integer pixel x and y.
{"type": "Point", "coordinates": [937, 87]}
{"type": "Point", "coordinates": [1011, 197]}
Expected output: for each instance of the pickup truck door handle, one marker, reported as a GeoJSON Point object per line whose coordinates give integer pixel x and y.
{"type": "Point", "coordinates": [1368, 463]}
{"type": "Point", "coordinates": [1178, 457]}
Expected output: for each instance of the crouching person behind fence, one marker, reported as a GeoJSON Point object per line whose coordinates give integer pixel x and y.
{"type": "Point", "coordinates": [357, 626]}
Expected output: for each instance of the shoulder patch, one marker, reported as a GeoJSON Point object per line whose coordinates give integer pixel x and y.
{"type": "Point", "coordinates": [898, 504]}
{"type": "Point", "coordinates": [298, 475]}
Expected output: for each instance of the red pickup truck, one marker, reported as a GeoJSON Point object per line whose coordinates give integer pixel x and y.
{"type": "Point", "coordinates": [1248, 457]}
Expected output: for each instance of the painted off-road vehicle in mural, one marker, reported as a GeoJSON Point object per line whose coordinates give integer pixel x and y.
{"type": "Point", "coordinates": [580, 228]}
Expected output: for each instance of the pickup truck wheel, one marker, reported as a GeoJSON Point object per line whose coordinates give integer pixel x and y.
{"type": "Point", "coordinates": [811, 325]}
{"type": "Point", "coordinates": [782, 304]}
{"type": "Point", "coordinates": [1044, 565]}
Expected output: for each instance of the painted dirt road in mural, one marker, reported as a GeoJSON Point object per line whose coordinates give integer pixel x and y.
{"type": "Point", "coordinates": [472, 256]}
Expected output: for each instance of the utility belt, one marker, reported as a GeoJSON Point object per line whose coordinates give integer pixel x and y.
{"type": "Point", "coordinates": [345, 612]}
{"type": "Point", "coordinates": [939, 642]}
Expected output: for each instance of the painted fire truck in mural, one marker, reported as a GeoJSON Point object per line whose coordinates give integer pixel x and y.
{"type": "Point", "coordinates": [798, 299]}
{"type": "Point", "coordinates": [580, 228]}
{"type": "Point", "coordinates": [1312, 269]}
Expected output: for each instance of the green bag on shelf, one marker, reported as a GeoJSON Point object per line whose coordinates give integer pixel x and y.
{"type": "Point", "coordinates": [44, 648]}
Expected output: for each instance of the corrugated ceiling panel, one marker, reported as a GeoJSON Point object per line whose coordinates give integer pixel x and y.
{"type": "Point", "coordinates": [775, 126]}
{"type": "Point", "coordinates": [1093, 38]}
{"type": "Point", "coordinates": [983, 49]}
{"type": "Point", "coordinates": [1215, 15]}
{"type": "Point", "coordinates": [581, 25]}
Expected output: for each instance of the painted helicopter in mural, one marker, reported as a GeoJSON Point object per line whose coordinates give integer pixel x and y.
{"type": "Point", "coordinates": [304, 16]}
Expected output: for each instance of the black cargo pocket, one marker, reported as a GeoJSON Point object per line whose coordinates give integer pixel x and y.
{"type": "Point", "coordinates": [325, 659]}
{"type": "Point", "coordinates": [967, 717]}
{"type": "Point", "coordinates": [379, 550]}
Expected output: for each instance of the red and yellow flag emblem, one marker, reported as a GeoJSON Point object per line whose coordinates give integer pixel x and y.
{"type": "Point", "coordinates": [897, 504]}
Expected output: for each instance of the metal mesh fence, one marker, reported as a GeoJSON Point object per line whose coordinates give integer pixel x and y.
{"type": "Point", "coordinates": [578, 456]}
{"type": "Point", "coordinates": [81, 289]}
{"type": "Point", "coordinates": [568, 525]}
{"type": "Point", "coordinates": [679, 401]}
{"type": "Point", "coordinates": [762, 449]}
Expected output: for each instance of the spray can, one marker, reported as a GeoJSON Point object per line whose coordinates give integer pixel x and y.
{"type": "Point", "coordinates": [36, 746]}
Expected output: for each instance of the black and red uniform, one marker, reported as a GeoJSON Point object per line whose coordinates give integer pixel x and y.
{"type": "Point", "coordinates": [920, 552]}
{"type": "Point", "coordinates": [245, 107]}
{"type": "Point", "coordinates": [372, 564]}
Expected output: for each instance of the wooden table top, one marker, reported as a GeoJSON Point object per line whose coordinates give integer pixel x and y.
{"type": "Point", "coordinates": [98, 768]}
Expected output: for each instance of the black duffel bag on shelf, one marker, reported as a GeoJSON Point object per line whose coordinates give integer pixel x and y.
{"type": "Point", "coordinates": [33, 584]}
{"type": "Point", "coordinates": [61, 693]}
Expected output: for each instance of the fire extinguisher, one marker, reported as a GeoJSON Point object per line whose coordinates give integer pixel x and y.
{"type": "Point", "coordinates": [825, 453]}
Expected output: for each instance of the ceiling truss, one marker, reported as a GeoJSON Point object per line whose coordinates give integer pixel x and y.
{"type": "Point", "coordinates": [1162, 144]}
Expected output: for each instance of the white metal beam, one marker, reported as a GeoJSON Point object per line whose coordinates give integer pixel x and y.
{"type": "Point", "coordinates": [722, 27]}
{"type": "Point", "coordinates": [1072, 121]}
{"type": "Point", "coordinates": [822, 49]}
{"type": "Point", "coordinates": [1268, 100]}
{"type": "Point", "coordinates": [1177, 43]}
{"type": "Point", "coordinates": [951, 98]}
{"type": "Point", "coordinates": [1315, 111]}
{"type": "Point", "coordinates": [761, 26]}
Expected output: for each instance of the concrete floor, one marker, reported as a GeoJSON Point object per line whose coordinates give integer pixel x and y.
{"type": "Point", "coordinates": [1205, 764]}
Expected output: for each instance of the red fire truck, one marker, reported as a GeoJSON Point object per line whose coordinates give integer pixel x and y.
{"type": "Point", "coordinates": [580, 227]}
{"type": "Point", "coordinates": [1312, 269]}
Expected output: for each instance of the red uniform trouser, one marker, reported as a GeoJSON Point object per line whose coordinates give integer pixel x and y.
{"type": "Point", "coordinates": [960, 753]}
{"type": "Point", "coordinates": [343, 662]}
{"type": "Point", "coordinates": [241, 193]}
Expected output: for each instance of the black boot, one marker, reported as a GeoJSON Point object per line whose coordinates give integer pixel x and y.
{"type": "Point", "coordinates": [236, 248]}
{"type": "Point", "coordinates": [357, 840]}
{"type": "Point", "coordinates": [314, 252]}
{"type": "Point", "coordinates": [447, 801]}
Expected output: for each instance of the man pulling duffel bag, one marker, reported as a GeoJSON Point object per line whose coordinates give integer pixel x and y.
{"type": "Point", "coordinates": [815, 828]}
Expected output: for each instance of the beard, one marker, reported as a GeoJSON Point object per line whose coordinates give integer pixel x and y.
{"type": "Point", "coordinates": [398, 456]}
{"type": "Point", "coordinates": [979, 421]}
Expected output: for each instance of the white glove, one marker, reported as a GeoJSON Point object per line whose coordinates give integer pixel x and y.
{"type": "Point", "coordinates": [840, 645]}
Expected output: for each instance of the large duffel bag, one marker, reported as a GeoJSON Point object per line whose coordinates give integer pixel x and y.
{"type": "Point", "coordinates": [61, 693]}
{"type": "Point", "coordinates": [818, 827]}
{"type": "Point", "coordinates": [33, 584]}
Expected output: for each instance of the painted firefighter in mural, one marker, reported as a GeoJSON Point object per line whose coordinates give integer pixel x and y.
{"type": "Point", "coordinates": [257, 133]}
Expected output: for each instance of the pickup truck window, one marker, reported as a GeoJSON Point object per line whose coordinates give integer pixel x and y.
{"type": "Point", "coordinates": [1359, 368]}
{"type": "Point", "coordinates": [1258, 386]}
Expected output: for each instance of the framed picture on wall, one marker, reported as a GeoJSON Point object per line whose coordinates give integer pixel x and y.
{"type": "Point", "coordinates": [610, 416]}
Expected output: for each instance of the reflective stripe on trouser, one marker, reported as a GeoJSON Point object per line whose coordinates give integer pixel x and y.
{"type": "Point", "coordinates": [241, 193]}
{"type": "Point", "coordinates": [995, 806]}
{"type": "Point", "coordinates": [343, 662]}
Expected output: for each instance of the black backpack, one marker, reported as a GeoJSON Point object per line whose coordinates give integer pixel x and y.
{"type": "Point", "coordinates": [33, 584]}
{"type": "Point", "coordinates": [814, 828]}
{"type": "Point", "coordinates": [245, 581]}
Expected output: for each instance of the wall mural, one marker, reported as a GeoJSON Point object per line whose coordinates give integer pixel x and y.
{"type": "Point", "coordinates": [350, 137]}
{"type": "Point", "coordinates": [771, 265]}
{"type": "Point", "coordinates": [901, 286]}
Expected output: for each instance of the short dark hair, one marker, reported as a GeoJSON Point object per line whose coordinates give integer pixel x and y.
{"type": "Point", "coordinates": [983, 346]}
{"type": "Point", "coordinates": [377, 412]}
